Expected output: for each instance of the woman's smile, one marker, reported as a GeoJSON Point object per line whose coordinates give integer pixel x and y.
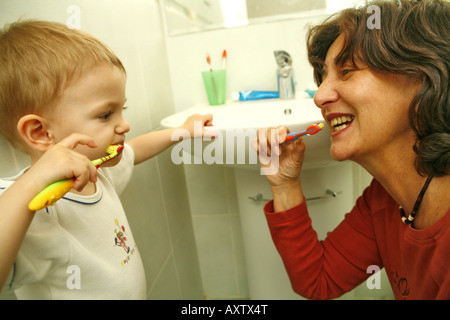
{"type": "Point", "coordinates": [339, 122]}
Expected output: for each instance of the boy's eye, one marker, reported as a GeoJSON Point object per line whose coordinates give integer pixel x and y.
{"type": "Point", "coordinates": [105, 116]}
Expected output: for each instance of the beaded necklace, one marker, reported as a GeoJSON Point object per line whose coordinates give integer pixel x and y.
{"type": "Point", "coordinates": [411, 217]}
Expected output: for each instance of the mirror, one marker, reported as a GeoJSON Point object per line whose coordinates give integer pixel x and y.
{"type": "Point", "coordinates": [188, 16]}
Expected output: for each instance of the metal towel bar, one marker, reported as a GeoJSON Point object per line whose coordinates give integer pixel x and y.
{"type": "Point", "coordinates": [329, 194]}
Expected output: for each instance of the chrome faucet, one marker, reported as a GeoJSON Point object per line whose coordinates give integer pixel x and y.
{"type": "Point", "coordinates": [285, 75]}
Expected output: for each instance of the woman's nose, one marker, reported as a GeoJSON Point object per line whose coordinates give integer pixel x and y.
{"type": "Point", "coordinates": [326, 93]}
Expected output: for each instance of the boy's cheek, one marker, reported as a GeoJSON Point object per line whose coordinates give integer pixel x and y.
{"type": "Point", "coordinates": [91, 153]}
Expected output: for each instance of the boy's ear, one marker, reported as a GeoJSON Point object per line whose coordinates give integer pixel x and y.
{"type": "Point", "coordinates": [34, 131]}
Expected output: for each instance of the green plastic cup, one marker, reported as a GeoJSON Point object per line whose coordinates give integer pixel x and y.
{"type": "Point", "coordinates": [215, 86]}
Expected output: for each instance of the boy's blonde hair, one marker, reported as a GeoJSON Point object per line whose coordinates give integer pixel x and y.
{"type": "Point", "coordinates": [38, 60]}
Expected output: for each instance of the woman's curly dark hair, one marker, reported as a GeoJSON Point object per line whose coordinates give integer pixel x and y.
{"type": "Point", "coordinates": [413, 40]}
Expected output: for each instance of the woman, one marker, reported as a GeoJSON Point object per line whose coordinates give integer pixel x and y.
{"type": "Point", "coordinates": [384, 95]}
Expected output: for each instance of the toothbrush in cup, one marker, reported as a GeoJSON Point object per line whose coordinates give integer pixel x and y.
{"type": "Point", "coordinates": [208, 61]}
{"type": "Point", "coordinates": [312, 129]}
{"type": "Point", "coordinates": [213, 80]}
{"type": "Point", "coordinates": [224, 59]}
{"type": "Point", "coordinates": [58, 189]}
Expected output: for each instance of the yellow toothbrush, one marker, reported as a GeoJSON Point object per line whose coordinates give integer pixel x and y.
{"type": "Point", "coordinates": [58, 189]}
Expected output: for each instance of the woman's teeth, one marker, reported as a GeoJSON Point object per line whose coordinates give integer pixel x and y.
{"type": "Point", "coordinates": [341, 123]}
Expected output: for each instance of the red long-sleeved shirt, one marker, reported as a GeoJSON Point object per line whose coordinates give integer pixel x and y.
{"type": "Point", "coordinates": [417, 262]}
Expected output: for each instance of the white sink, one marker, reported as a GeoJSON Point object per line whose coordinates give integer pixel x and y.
{"type": "Point", "coordinates": [243, 119]}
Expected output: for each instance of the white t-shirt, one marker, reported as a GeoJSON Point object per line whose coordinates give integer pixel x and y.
{"type": "Point", "coordinates": [82, 247]}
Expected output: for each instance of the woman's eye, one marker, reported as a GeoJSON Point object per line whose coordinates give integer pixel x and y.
{"type": "Point", "coordinates": [346, 71]}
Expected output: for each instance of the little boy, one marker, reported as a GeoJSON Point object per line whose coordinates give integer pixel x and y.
{"type": "Point", "coordinates": [62, 93]}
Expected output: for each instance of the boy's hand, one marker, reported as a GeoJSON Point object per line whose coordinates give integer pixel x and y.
{"type": "Point", "coordinates": [150, 144]}
{"type": "Point", "coordinates": [61, 162]}
{"type": "Point", "coordinates": [197, 122]}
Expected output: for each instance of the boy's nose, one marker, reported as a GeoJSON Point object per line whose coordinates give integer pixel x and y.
{"type": "Point", "coordinates": [123, 127]}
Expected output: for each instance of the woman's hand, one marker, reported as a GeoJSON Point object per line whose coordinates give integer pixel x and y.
{"type": "Point", "coordinates": [287, 160]}
{"type": "Point", "coordinates": [269, 145]}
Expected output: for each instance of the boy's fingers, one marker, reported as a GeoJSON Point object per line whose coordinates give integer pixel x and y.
{"type": "Point", "coordinates": [85, 172]}
{"type": "Point", "coordinates": [77, 138]}
{"type": "Point", "coordinates": [211, 132]}
{"type": "Point", "coordinates": [207, 119]}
